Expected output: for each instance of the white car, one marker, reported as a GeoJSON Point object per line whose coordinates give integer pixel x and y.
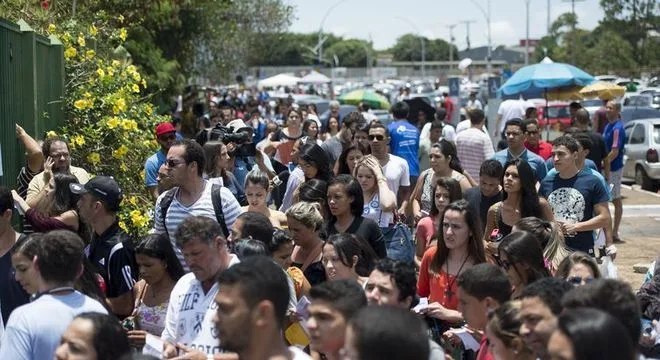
{"type": "Point", "coordinates": [640, 159]}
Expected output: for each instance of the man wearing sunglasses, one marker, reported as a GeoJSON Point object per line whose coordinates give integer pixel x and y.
{"type": "Point", "coordinates": [165, 136]}
{"type": "Point", "coordinates": [534, 142]}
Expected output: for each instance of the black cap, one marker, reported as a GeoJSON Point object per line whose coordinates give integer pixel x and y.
{"type": "Point", "coordinates": [104, 188]}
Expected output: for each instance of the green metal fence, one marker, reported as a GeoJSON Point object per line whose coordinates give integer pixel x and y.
{"type": "Point", "coordinates": [31, 89]}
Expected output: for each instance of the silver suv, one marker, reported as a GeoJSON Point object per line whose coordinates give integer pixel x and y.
{"type": "Point", "coordinates": [641, 153]}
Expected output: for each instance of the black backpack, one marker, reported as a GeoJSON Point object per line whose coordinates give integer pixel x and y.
{"type": "Point", "coordinates": [216, 197]}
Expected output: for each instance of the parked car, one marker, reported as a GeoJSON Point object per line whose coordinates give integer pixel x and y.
{"type": "Point", "coordinates": [638, 100]}
{"type": "Point", "coordinates": [558, 115]}
{"type": "Point", "coordinates": [630, 113]}
{"type": "Point", "coordinates": [641, 153]}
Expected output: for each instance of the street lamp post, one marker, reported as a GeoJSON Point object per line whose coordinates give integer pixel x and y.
{"type": "Point", "coordinates": [421, 39]}
{"type": "Point", "coordinates": [527, 33]}
{"type": "Point", "coordinates": [486, 14]}
{"type": "Point", "coordinates": [320, 36]}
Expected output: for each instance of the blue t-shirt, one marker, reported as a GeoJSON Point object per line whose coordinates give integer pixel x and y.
{"type": "Point", "coordinates": [535, 162]}
{"type": "Point", "coordinates": [588, 164]}
{"type": "Point", "coordinates": [151, 167]}
{"type": "Point", "coordinates": [592, 170]}
{"type": "Point", "coordinates": [615, 138]}
{"type": "Point", "coordinates": [34, 330]}
{"type": "Point", "coordinates": [404, 143]}
{"type": "Point", "coordinates": [572, 201]}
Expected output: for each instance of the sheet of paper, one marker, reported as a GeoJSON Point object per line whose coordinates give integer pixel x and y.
{"type": "Point", "coordinates": [468, 341]}
{"type": "Point", "coordinates": [153, 345]}
{"type": "Point", "coordinates": [301, 308]}
{"type": "Point", "coordinates": [422, 305]}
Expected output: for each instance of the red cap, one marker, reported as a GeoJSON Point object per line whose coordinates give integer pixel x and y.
{"type": "Point", "coordinates": [164, 128]}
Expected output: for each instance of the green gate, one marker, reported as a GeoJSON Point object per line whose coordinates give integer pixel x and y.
{"type": "Point", "coordinates": [31, 89]}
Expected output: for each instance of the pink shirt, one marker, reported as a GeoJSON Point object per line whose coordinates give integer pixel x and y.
{"type": "Point", "coordinates": [425, 231]}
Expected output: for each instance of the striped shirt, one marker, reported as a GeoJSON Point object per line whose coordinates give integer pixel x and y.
{"type": "Point", "coordinates": [178, 212]}
{"type": "Point", "coordinates": [473, 147]}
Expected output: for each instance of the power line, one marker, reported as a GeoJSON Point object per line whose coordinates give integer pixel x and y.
{"type": "Point", "coordinates": [467, 26]}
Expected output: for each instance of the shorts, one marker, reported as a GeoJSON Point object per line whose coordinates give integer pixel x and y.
{"type": "Point", "coordinates": [615, 183]}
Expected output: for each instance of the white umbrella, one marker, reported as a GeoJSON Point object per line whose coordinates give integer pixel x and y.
{"type": "Point", "coordinates": [279, 80]}
{"type": "Point", "coordinates": [315, 77]}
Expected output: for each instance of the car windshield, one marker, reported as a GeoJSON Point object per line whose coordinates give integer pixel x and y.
{"type": "Point", "coordinates": [592, 102]}
{"type": "Point", "coordinates": [656, 133]}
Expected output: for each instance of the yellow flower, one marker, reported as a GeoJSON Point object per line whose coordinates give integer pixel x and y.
{"type": "Point", "coordinates": [51, 28]}
{"type": "Point", "coordinates": [82, 104]}
{"type": "Point", "coordinates": [87, 94]}
{"type": "Point", "coordinates": [78, 140]}
{"type": "Point", "coordinates": [121, 18]}
{"type": "Point", "coordinates": [129, 125]}
{"type": "Point", "coordinates": [122, 225]}
{"type": "Point", "coordinates": [144, 83]}
{"type": "Point", "coordinates": [111, 71]}
{"type": "Point", "coordinates": [115, 63]}
{"type": "Point", "coordinates": [94, 158]}
{"type": "Point", "coordinates": [66, 37]}
{"type": "Point", "coordinates": [133, 200]}
{"type": "Point", "coordinates": [100, 72]}
{"type": "Point", "coordinates": [136, 76]}
{"type": "Point", "coordinates": [93, 30]}
{"type": "Point", "coordinates": [70, 53]}
{"type": "Point", "coordinates": [90, 54]}
{"type": "Point", "coordinates": [119, 153]}
{"type": "Point", "coordinates": [135, 88]}
{"type": "Point", "coordinates": [143, 174]}
{"type": "Point", "coordinates": [138, 219]}
{"type": "Point", "coordinates": [123, 167]}
{"type": "Point", "coordinates": [150, 109]}
{"type": "Point", "coordinates": [113, 122]}
{"type": "Point", "coordinates": [119, 106]}
{"type": "Point", "coordinates": [81, 41]}
{"type": "Point", "coordinates": [51, 134]}
{"type": "Point", "coordinates": [122, 34]}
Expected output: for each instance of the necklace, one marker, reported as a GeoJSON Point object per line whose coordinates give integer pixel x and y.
{"type": "Point", "coordinates": [448, 292]}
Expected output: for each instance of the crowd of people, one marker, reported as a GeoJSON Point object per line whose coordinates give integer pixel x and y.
{"type": "Point", "coordinates": [280, 236]}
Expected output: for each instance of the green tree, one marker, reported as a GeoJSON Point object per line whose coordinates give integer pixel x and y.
{"type": "Point", "coordinates": [611, 53]}
{"type": "Point", "coordinates": [351, 53]}
{"type": "Point", "coordinates": [408, 47]}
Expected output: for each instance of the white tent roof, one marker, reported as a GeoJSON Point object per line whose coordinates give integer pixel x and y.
{"type": "Point", "coordinates": [315, 77]}
{"type": "Point", "coordinates": [279, 80]}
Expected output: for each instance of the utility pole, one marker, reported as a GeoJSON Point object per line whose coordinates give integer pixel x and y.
{"type": "Point", "coordinates": [467, 28]}
{"type": "Point", "coordinates": [451, 44]}
{"type": "Point", "coordinates": [573, 42]}
{"type": "Point", "coordinates": [549, 17]}
{"type": "Point", "coordinates": [527, 33]}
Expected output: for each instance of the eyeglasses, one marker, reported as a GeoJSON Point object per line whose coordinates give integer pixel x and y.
{"type": "Point", "coordinates": [576, 280]}
{"type": "Point", "coordinates": [172, 163]}
{"type": "Point", "coordinates": [167, 137]}
{"type": "Point", "coordinates": [502, 263]}
{"type": "Point", "coordinates": [376, 137]}
{"type": "Point", "coordinates": [513, 133]}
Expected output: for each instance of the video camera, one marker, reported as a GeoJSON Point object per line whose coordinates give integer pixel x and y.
{"type": "Point", "coordinates": [244, 147]}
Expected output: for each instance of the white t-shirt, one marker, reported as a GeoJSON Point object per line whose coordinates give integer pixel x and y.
{"type": "Point", "coordinates": [372, 210]}
{"type": "Point", "coordinates": [510, 109]}
{"type": "Point", "coordinates": [448, 133]}
{"type": "Point", "coordinates": [190, 313]}
{"type": "Point", "coordinates": [397, 173]}
{"type": "Point", "coordinates": [34, 330]}
{"type": "Point", "coordinates": [474, 104]}
{"type": "Point", "coordinates": [177, 212]}
{"type": "Point", "coordinates": [299, 354]}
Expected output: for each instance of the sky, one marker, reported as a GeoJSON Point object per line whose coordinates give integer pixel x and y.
{"type": "Point", "coordinates": [383, 21]}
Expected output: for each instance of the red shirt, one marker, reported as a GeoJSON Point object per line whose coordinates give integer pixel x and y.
{"type": "Point", "coordinates": [543, 149]}
{"type": "Point", "coordinates": [449, 106]}
{"type": "Point", "coordinates": [484, 353]}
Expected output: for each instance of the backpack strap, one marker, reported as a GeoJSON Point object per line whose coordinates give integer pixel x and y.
{"type": "Point", "coordinates": [216, 197]}
{"type": "Point", "coordinates": [165, 203]}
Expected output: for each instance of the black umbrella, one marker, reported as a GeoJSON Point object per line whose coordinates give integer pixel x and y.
{"type": "Point", "coordinates": [419, 104]}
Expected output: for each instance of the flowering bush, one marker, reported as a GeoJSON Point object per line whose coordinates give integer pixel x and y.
{"type": "Point", "coordinates": [110, 124]}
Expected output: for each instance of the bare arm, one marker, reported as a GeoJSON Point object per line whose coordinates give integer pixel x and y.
{"type": "Point", "coordinates": [465, 184]}
{"type": "Point", "coordinates": [491, 221]}
{"type": "Point", "coordinates": [546, 210]}
{"type": "Point", "coordinates": [153, 192]}
{"type": "Point", "coordinates": [600, 220]}
{"type": "Point", "coordinates": [386, 196]}
{"type": "Point", "coordinates": [34, 155]}
{"type": "Point", "coordinates": [122, 305]}
{"type": "Point", "coordinates": [70, 218]}
{"type": "Point", "coordinates": [405, 194]}
{"type": "Point", "coordinates": [416, 198]}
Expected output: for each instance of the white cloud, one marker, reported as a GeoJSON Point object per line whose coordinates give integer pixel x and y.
{"type": "Point", "coordinates": [502, 33]}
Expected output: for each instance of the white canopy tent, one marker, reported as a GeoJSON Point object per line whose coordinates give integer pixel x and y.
{"type": "Point", "coordinates": [315, 77]}
{"type": "Point", "coordinates": [279, 80]}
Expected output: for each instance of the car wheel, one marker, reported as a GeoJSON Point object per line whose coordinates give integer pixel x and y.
{"type": "Point", "coordinates": [642, 179]}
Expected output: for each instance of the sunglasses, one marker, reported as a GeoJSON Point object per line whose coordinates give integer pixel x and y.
{"type": "Point", "coordinates": [576, 280]}
{"type": "Point", "coordinates": [172, 163]}
{"type": "Point", "coordinates": [167, 137]}
{"type": "Point", "coordinates": [376, 137]}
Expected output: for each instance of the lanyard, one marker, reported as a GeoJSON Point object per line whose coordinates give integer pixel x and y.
{"type": "Point", "coordinates": [51, 291]}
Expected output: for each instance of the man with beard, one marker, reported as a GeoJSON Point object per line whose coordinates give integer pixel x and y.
{"type": "Point", "coordinates": [58, 159]}
{"type": "Point", "coordinates": [251, 311]}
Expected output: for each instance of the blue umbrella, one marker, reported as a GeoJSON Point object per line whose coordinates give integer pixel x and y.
{"type": "Point", "coordinates": [544, 76]}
